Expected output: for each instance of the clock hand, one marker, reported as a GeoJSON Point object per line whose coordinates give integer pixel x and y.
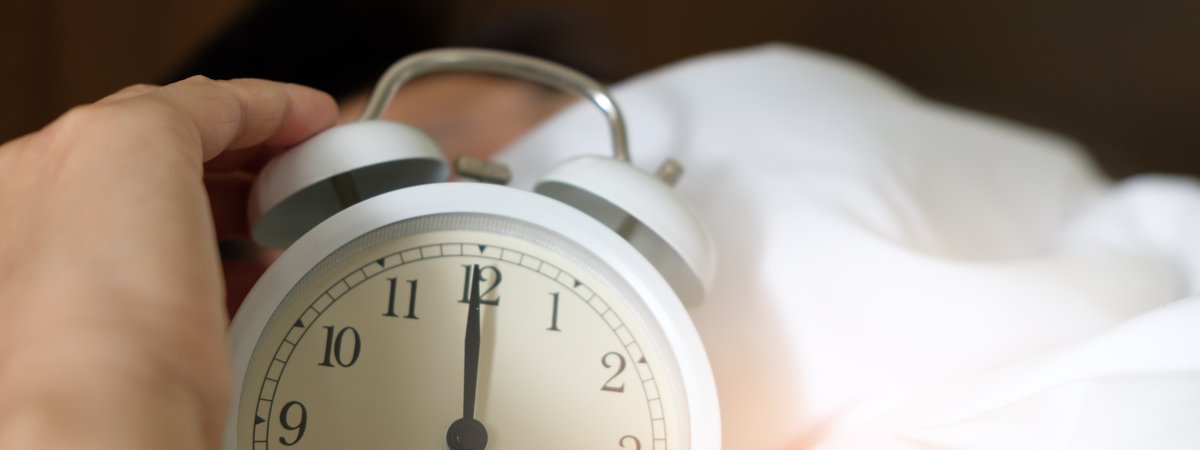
{"type": "Point", "coordinates": [466, 433]}
{"type": "Point", "coordinates": [471, 360]}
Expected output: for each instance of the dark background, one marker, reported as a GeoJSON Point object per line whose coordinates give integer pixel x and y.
{"type": "Point", "coordinates": [1123, 77]}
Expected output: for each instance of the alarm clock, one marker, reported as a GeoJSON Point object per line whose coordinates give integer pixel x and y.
{"type": "Point", "coordinates": [412, 312]}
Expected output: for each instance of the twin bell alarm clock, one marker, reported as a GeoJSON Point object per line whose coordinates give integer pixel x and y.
{"type": "Point", "coordinates": [409, 312]}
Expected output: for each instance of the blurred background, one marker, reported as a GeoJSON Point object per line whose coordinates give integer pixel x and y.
{"type": "Point", "coordinates": [1122, 77]}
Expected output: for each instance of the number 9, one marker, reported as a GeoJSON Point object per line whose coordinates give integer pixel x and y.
{"type": "Point", "coordinates": [298, 427]}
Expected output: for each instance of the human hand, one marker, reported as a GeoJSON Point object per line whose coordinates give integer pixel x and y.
{"type": "Point", "coordinates": [113, 331]}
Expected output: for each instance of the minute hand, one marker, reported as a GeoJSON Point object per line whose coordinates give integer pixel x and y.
{"type": "Point", "coordinates": [466, 433]}
{"type": "Point", "coordinates": [471, 352]}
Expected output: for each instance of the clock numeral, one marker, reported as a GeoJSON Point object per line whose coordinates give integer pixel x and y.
{"type": "Point", "coordinates": [554, 313]}
{"type": "Point", "coordinates": [412, 300]}
{"type": "Point", "coordinates": [333, 347]}
{"type": "Point", "coordinates": [637, 445]}
{"type": "Point", "coordinates": [298, 426]}
{"type": "Point", "coordinates": [620, 368]}
{"type": "Point", "coordinates": [473, 278]}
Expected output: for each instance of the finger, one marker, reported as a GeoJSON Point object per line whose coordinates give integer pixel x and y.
{"type": "Point", "coordinates": [129, 92]}
{"type": "Point", "coordinates": [242, 113]}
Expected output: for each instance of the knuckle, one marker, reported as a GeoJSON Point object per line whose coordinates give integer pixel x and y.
{"type": "Point", "coordinates": [138, 88]}
{"type": "Point", "coordinates": [147, 120]}
{"type": "Point", "coordinates": [149, 126]}
{"type": "Point", "coordinates": [197, 79]}
{"type": "Point", "coordinates": [81, 118]}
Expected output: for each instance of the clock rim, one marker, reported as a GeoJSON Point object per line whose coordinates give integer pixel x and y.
{"type": "Point", "coordinates": [699, 387]}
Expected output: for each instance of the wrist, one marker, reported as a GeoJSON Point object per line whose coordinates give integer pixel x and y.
{"type": "Point", "coordinates": [103, 391]}
{"type": "Point", "coordinates": [72, 412]}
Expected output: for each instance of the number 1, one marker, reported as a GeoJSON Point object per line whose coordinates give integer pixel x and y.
{"type": "Point", "coordinates": [554, 313]}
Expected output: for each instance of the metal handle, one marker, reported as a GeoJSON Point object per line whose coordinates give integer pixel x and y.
{"type": "Point", "coordinates": [501, 63]}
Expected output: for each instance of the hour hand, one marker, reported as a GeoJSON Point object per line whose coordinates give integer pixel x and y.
{"type": "Point", "coordinates": [466, 433]}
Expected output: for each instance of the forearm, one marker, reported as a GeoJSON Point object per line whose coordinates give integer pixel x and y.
{"type": "Point", "coordinates": [76, 373]}
{"type": "Point", "coordinates": [69, 411]}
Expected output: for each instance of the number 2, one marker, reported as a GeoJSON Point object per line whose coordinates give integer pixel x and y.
{"type": "Point", "coordinates": [620, 368]}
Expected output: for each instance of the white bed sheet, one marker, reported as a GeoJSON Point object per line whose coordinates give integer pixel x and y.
{"type": "Point", "coordinates": [900, 274]}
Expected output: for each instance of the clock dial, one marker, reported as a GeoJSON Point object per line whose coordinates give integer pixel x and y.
{"type": "Point", "coordinates": [382, 345]}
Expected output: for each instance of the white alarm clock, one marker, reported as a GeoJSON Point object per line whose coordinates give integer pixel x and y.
{"type": "Point", "coordinates": [413, 313]}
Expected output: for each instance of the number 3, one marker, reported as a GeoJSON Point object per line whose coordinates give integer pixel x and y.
{"type": "Point", "coordinates": [637, 445]}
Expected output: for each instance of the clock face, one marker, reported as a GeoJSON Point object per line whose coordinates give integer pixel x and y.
{"type": "Point", "coordinates": [372, 350]}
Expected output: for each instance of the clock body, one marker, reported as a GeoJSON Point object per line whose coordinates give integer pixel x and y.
{"type": "Point", "coordinates": [354, 338]}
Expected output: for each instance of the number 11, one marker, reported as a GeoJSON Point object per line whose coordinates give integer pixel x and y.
{"type": "Point", "coordinates": [412, 300]}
